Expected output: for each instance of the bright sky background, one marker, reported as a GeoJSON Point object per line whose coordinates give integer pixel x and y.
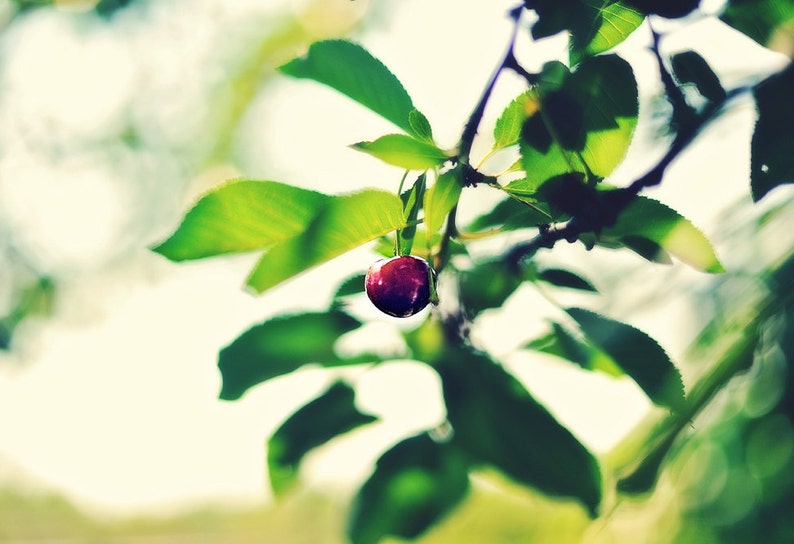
{"type": "Point", "coordinates": [113, 401]}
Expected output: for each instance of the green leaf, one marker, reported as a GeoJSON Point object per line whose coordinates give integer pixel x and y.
{"type": "Point", "coordinates": [690, 67]}
{"type": "Point", "coordinates": [353, 285]}
{"type": "Point", "coordinates": [344, 223]}
{"type": "Point", "coordinates": [584, 124]}
{"type": "Point", "coordinates": [413, 486]}
{"type": "Point", "coordinates": [242, 216]}
{"type": "Point", "coordinates": [280, 346]}
{"type": "Point", "coordinates": [759, 19]}
{"type": "Point", "coordinates": [613, 24]}
{"type": "Point", "coordinates": [354, 72]}
{"type": "Point", "coordinates": [772, 160]}
{"type": "Point", "coordinates": [403, 151]}
{"type": "Point", "coordinates": [412, 203]}
{"type": "Point", "coordinates": [486, 285]}
{"type": "Point", "coordinates": [560, 342]}
{"type": "Point", "coordinates": [565, 278]}
{"type": "Point", "coordinates": [420, 126]}
{"type": "Point", "coordinates": [331, 414]}
{"type": "Point", "coordinates": [650, 219]}
{"type": "Point", "coordinates": [507, 129]}
{"type": "Point", "coordinates": [498, 423]}
{"type": "Point", "coordinates": [639, 355]}
{"type": "Point", "coordinates": [510, 214]}
{"type": "Point", "coordinates": [440, 199]}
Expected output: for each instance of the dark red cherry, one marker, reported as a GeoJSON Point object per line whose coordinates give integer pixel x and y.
{"type": "Point", "coordinates": [399, 286]}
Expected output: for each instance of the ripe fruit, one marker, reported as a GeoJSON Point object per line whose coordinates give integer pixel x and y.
{"type": "Point", "coordinates": [399, 286]}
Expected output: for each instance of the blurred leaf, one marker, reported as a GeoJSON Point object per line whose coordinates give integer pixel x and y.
{"type": "Point", "coordinates": [331, 414]}
{"type": "Point", "coordinates": [413, 486]}
{"type": "Point", "coordinates": [510, 214]}
{"type": "Point", "coordinates": [690, 67]}
{"type": "Point", "coordinates": [486, 285]}
{"type": "Point", "coordinates": [241, 216]}
{"type": "Point", "coordinates": [497, 422]}
{"type": "Point", "coordinates": [565, 278]}
{"type": "Point", "coordinates": [561, 343]}
{"type": "Point", "coordinates": [583, 126]}
{"type": "Point", "coordinates": [759, 19]}
{"type": "Point", "coordinates": [353, 71]}
{"type": "Point", "coordinates": [403, 151]}
{"type": "Point", "coordinates": [650, 219]}
{"type": "Point", "coordinates": [344, 223]}
{"type": "Point", "coordinates": [772, 160]}
{"type": "Point", "coordinates": [412, 203]}
{"type": "Point", "coordinates": [440, 199]}
{"type": "Point", "coordinates": [280, 346]}
{"type": "Point", "coordinates": [614, 23]}
{"type": "Point", "coordinates": [507, 129]}
{"type": "Point", "coordinates": [639, 355]}
{"type": "Point", "coordinates": [353, 285]}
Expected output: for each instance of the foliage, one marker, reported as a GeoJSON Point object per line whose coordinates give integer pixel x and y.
{"type": "Point", "coordinates": [572, 127]}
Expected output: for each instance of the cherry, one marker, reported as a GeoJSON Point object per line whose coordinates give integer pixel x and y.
{"type": "Point", "coordinates": [399, 286]}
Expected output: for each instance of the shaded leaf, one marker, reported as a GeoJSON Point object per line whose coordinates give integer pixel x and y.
{"type": "Point", "coordinates": [650, 219]}
{"type": "Point", "coordinates": [690, 67]}
{"type": "Point", "coordinates": [585, 124]}
{"type": "Point", "coordinates": [561, 343]}
{"type": "Point", "coordinates": [486, 285]}
{"type": "Point", "coordinates": [354, 72]}
{"type": "Point", "coordinates": [440, 199]}
{"type": "Point", "coordinates": [639, 355]}
{"type": "Point", "coordinates": [413, 486]}
{"type": "Point", "coordinates": [498, 423]}
{"type": "Point", "coordinates": [772, 160]}
{"type": "Point", "coordinates": [403, 151]}
{"type": "Point", "coordinates": [280, 346]}
{"type": "Point", "coordinates": [242, 216]}
{"type": "Point", "coordinates": [353, 285]}
{"type": "Point", "coordinates": [344, 223]}
{"type": "Point", "coordinates": [759, 19]}
{"type": "Point", "coordinates": [510, 214]}
{"type": "Point", "coordinates": [331, 414]}
{"type": "Point", "coordinates": [565, 278]}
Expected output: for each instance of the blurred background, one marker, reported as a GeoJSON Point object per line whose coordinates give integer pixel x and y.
{"type": "Point", "coordinates": [115, 115]}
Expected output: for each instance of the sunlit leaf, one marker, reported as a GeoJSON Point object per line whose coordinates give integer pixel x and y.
{"type": "Point", "coordinates": [612, 24]}
{"type": "Point", "coordinates": [280, 346]}
{"type": "Point", "coordinates": [650, 219]}
{"type": "Point", "coordinates": [242, 216]}
{"type": "Point", "coordinates": [403, 151]}
{"type": "Point", "coordinates": [413, 200]}
{"type": "Point", "coordinates": [413, 486]}
{"type": "Point", "coordinates": [772, 159]}
{"type": "Point", "coordinates": [639, 355]}
{"type": "Point", "coordinates": [331, 414]}
{"type": "Point", "coordinates": [420, 126]}
{"type": "Point", "coordinates": [584, 124]}
{"type": "Point", "coordinates": [760, 19]}
{"type": "Point", "coordinates": [507, 129]}
{"type": "Point", "coordinates": [440, 199]}
{"type": "Point", "coordinates": [498, 423]}
{"type": "Point", "coordinates": [344, 223]}
{"type": "Point", "coordinates": [353, 71]}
